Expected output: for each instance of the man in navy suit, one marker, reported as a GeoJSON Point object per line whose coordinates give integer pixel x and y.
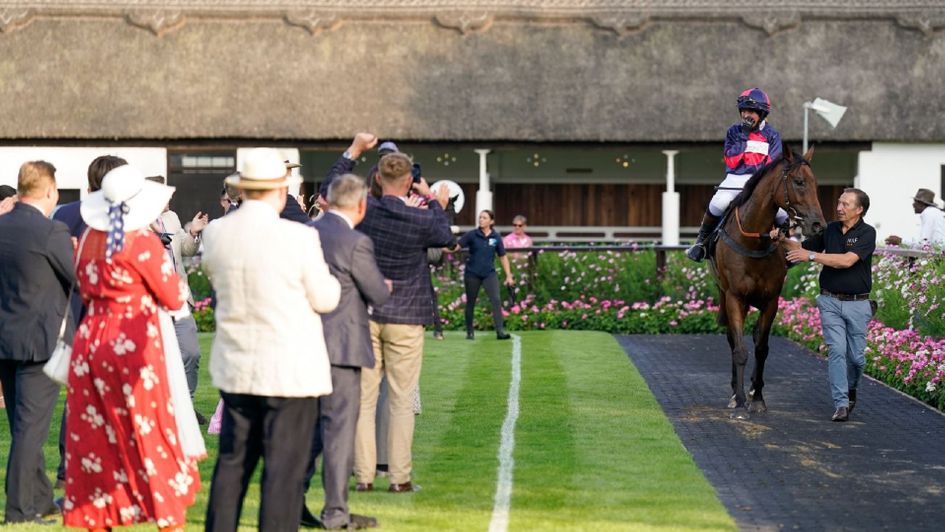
{"type": "Point", "coordinates": [350, 255]}
{"type": "Point", "coordinates": [36, 274]}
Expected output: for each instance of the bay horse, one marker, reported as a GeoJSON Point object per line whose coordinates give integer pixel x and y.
{"type": "Point", "coordinates": [750, 269]}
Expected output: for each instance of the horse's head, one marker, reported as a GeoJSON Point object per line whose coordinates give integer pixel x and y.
{"type": "Point", "coordinates": [797, 193]}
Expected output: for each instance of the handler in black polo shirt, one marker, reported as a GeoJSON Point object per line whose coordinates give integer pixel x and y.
{"type": "Point", "coordinates": [846, 251]}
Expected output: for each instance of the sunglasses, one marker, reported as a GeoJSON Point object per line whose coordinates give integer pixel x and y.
{"type": "Point", "coordinates": [518, 225]}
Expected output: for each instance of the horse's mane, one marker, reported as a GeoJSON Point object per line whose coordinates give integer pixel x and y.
{"type": "Point", "coordinates": [749, 187]}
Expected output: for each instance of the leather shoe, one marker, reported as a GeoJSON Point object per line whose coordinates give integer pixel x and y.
{"type": "Point", "coordinates": [364, 486]}
{"type": "Point", "coordinates": [406, 487]}
{"type": "Point", "coordinates": [438, 335]}
{"type": "Point", "coordinates": [308, 520]}
{"type": "Point", "coordinates": [842, 414]}
{"type": "Point", "coordinates": [502, 335]}
{"type": "Point", "coordinates": [851, 394]}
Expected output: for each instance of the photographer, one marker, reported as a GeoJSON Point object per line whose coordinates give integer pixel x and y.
{"type": "Point", "coordinates": [401, 234]}
{"type": "Point", "coordinates": [180, 243]}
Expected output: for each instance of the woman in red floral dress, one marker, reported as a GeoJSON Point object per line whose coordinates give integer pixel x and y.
{"type": "Point", "coordinates": [124, 459]}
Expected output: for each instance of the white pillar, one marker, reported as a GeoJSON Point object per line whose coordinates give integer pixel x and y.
{"type": "Point", "coordinates": [670, 202]}
{"type": "Point", "coordinates": [484, 194]}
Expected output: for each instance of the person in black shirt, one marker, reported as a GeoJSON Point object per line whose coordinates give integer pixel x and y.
{"type": "Point", "coordinates": [484, 244]}
{"type": "Point", "coordinates": [845, 249]}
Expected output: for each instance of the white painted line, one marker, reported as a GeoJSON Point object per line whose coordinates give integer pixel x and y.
{"type": "Point", "coordinates": [503, 490]}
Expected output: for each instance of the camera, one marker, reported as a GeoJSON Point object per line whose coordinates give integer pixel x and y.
{"type": "Point", "coordinates": [416, 172]}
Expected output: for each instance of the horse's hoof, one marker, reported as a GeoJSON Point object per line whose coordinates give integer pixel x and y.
{"type": "Point", "coordinates": [732, 403]}
{"type": "Point", "coordinates": [740, 414]}
{"type": "Point", "coordinates": [757, 407]}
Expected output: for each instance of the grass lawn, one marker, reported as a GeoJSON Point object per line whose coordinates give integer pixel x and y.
{"type": "Point", "coordinates": [593, 449]}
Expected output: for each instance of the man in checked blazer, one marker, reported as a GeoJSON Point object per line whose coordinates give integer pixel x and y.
{"type": "Point", "coordinates": [36, 273]}
{"type": "Point", "coordinates": [403, 223]}
{"type": "Point", "coordinates": [350, 255]}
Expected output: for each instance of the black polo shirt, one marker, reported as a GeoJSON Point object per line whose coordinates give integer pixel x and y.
{"type": "Point", "coordinates": [482, 251]}
{"type": "Point", "coordinates": [860, 239]}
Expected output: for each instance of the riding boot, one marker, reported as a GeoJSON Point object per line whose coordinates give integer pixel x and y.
{"type": "Point", "coordinates": [697, 251]}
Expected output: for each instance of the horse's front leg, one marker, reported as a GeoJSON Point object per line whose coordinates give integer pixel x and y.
{"type": "Point", "coordinates": [735, 310]}
{"type": "Point", "coordinates": [761, 336]}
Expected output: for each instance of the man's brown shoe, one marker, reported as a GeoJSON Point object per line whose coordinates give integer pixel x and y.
{"type": "Point", "coordinates": [364, 486]}
{"type": "Point", "coordinates": [842, 414]}
{"type": "Point", "coordinates": [406, 487]}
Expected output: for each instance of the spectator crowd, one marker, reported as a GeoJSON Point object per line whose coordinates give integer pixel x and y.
{"type": "Point", "coordinates": [319, 338]}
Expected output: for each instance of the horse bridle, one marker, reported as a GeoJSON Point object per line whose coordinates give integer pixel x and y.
{"type": "Point", "coordinates": [793, 215]}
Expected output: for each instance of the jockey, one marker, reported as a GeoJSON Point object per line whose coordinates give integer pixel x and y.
{"type": "Point", "coordinates": [749, 145]}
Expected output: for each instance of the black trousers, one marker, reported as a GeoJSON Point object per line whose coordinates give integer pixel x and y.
{"type": "Point", "coordinates": [277, 429]}
{"type": "Point", "coordinates": [491, 284]}
{"type": "Point", "coordinates": [31, 398]}
{"type": "Point", "coordinates": [334, 440]}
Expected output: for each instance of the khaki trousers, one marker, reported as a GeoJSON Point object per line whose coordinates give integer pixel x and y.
{"type": "Point", "coordinates": [398, 355]}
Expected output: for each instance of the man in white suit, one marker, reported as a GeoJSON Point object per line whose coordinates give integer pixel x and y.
{"type": "Point", "coordinates": [268, 358]}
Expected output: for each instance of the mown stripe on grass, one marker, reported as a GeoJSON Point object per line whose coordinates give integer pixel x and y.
{"type": "Point", "coordinates": [545, 454]}
{"type": "Point", "coordinates": [594, 449]}
{"type": "Point", "coordinates": [463, 386]}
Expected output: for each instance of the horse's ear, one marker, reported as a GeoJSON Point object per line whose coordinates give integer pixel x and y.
{"type": "Point", "coordinates": [810, 153]}
{"type": "Point", "coordinates": [787, 153]}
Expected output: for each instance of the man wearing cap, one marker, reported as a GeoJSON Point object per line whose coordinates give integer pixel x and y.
{"type": "Point", "coordinates": [268, 358]}
{"type": "Point", "coordinates": [401, 233]}
{"type": "Point", "coordinates": [931, 221]}
{"type": "Point", "coordinates": [37, 272]}
{"type": "Point", "coordinates": [845, 249]}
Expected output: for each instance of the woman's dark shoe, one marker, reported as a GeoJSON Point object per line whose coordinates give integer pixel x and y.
{"type": "Point", "coordinates": [470, 335]}
{"type": "Point", "coordinates": [502, 335]}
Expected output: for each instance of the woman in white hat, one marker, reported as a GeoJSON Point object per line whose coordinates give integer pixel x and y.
{"type": "Point", "coordinates": [126, 462]}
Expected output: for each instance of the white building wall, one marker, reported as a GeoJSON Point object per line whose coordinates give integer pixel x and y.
{"type": "Point", "coordinates": [72, 163]}
{"type": "Point", "coordinates": [891, 174]}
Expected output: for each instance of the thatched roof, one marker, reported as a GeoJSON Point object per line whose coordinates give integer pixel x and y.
{"type": "Point", "coordinates": [554, 70]}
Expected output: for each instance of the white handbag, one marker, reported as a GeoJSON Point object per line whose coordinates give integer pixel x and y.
{"type": "Point", "coordinates": [57, 367]}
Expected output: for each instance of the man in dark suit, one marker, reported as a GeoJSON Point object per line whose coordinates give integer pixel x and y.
{"type": "Point", "coordinates": [69, 214]}
{"type": "Point", "coordinates": [403, 223]}
{"type": "Point", "coordinates": [350, 255]}
{"type": "Point", "coordinates": [36, 274]}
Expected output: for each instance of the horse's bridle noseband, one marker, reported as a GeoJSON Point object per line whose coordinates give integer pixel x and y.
{"type": "Point", "coordinates": [794, 216]}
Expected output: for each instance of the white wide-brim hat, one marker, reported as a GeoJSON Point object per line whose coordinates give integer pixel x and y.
{"type": "Point", "coordinates": [262, 169]}
{"type": "Point", "coordinates": [144, 200]}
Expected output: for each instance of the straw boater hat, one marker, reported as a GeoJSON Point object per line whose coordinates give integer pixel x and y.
{"type": "Point", "coordinates": [262, 169]}
{"type": "Point", "coordinates": [925, 196]}
{"type": "Point", "coordinates": [126, 202]}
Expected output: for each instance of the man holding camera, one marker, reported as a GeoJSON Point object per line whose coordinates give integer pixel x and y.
{"type": "Point", "coordinates": [402, 224]}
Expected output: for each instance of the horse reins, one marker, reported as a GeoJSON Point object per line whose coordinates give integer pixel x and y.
{"type": "Point", "coordinates": [792, 212]}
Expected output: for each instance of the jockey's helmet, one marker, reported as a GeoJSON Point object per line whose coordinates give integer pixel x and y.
{"type": "Point", "coordinates": [756, 100]}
